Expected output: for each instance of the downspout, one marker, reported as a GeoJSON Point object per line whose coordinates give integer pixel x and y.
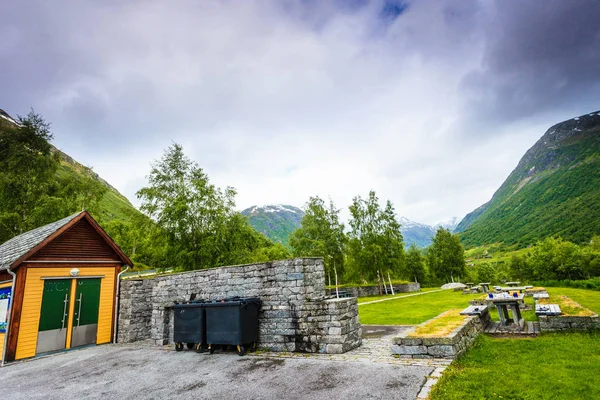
{"type": "Point", "coordinates": [8, 321]}
{"type": "Point", "coordinates": [117, 304]}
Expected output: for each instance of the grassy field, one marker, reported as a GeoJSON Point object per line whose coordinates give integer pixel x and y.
{"type": "Point", "coordinates": [398, 295]}
{"type": "Point", "coordinates": [551, 366]}
{"type": "Point", "coordinates": [495, 252]}
{"type": "Point", "coordinates": [587, 298]}
{"type": "Point", "coordinates": [413, 310]}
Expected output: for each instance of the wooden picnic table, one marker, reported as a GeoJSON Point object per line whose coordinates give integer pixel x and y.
{"type": "Point", "coordinates": [469, 284]}
{"type": "Point", "coordinates": [503, 303]}
{"type": "Point", "coordinates": [485, 286]}
{"type": "Point", "coordinates": [516, 283]}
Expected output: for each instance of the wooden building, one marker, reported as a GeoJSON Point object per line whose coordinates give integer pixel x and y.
{"type": "Point", "coordinates": [65, 287]}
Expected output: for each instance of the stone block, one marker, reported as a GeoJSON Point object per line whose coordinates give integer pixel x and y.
{"type": "Point", "coordinates": [402, 349]}
{"type": "Point", "coordinates": [441, 351]}
{"type": "Point", "coordinates": [334, 349]}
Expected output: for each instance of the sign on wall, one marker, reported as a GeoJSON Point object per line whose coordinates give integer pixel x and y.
{"type": "Point", "coordinates": [4, 303]}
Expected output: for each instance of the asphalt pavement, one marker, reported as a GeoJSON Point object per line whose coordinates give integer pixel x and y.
{"type": "Point", "coordinates": [139, 371]}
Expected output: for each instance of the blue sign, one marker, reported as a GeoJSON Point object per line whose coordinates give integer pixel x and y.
{"type": "Point", "coordinates": [4, 304]}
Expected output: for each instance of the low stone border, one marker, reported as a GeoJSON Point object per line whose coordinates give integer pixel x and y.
{"type": "Point", "coordinates": [449, 346]}
{"type": "Point", "coordinates": [567, 322]}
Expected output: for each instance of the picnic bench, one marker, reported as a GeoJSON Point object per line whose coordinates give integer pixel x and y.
{"type": "Point", "coordinates": [513, 284]}
{"type": "Point", "coordinates": [474, 310]}
{"type": "Point", "coordinates": [485, 286]}
{"type": "Point", "coordinates": [541, 296]}
{"type": "Point", "coordinates": [547, 309]}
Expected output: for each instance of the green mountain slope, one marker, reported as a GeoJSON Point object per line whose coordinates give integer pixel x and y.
{"type": "Point", "coordinates": [277, 222]}
{"type": "Point", "coordinates": [554, 190]}
{"type": "Point", "coordinates": [112, 206]}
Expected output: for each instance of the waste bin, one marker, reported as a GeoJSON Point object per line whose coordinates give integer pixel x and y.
{"type": "Point", "coordinates": [232, 322]}
{"type": "Point", "coordinates": [189, 325]}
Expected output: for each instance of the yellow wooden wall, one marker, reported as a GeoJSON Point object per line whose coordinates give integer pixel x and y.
{"type": "Point", "coordinates": [32, 305]}
{"type": "Point", "coordinates": [2, 286]}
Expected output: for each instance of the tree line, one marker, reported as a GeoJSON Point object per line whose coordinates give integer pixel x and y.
{"type": "Point", "coordinates": [556, 259]}
{"type": "Point", "coordinates": [373, 245]}
{"type": "Point", "coordinates": [187, 223]}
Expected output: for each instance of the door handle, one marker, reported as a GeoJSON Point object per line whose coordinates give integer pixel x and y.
{"type": "Point", "coordinates": [66, 301]}
{"type": "Point", "coordinates": [79, 311]}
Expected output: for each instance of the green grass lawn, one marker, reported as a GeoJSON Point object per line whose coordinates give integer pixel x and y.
{"type": "Point", "coordinates": [551, 366]}
{"type": "Point", "coordinates": [587, 298]}
{"type": "Point", "coordinates": [389, 296]}
{"type": "Point", "coordinates": [413, 310]}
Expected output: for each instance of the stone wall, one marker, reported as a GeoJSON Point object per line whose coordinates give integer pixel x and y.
{"type": "Point", "coordinates": [449, 346]}
{"type": "Point", "coordinates": [295, 315]}
{"type": "Point", "coordinates": [135, 310]}
{"type": "Point", "coordinates": [362, 291]}
{"type": "Point", "coordinates": [566, 322]}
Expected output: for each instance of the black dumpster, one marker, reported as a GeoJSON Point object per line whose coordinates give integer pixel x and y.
{"type": "Point", "coordinates": [189, 325]}
{"type": "Point", "coordinates": [232, 322]}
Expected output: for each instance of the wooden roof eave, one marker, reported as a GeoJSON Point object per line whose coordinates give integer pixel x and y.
{"type": "Point", "coordinates": [84, 215]}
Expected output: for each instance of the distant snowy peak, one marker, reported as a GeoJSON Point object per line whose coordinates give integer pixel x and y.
{"type": "Point", "coordinates": [407, 223]}
{"type": "Point", "coordinates": [274, 208]}
{"type": "Point", "coordinates": [421, 234]}
{"type": "Point", "coordinates": [450, 224]}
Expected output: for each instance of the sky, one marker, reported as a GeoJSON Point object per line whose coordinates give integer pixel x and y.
{"type": "Point", "coordinates": [429, 103]}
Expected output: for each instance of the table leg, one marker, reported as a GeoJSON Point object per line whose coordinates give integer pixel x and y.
{"type": "Point", "coordinates": [516, 312]}
{"type": "Point", "coordinates": [502, 314]}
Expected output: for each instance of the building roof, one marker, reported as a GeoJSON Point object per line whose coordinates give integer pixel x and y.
{"type": "Point", "coordinates": [18, 247]}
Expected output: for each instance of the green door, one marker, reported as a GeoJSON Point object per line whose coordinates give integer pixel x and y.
{"type": "Point", "coordinates": [52, 332]}
{"type": "Point", "coordinates": [85, 314]}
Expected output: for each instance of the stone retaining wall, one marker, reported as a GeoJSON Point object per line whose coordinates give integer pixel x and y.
{"type": "Point", "coordinates": [565, 322]}
{"type": "Point", "coordinates": [363, 291]}
{"type": "Point", "coordinates": [449, 346]}
{"type": "Point", "coordinates": [295, 314]}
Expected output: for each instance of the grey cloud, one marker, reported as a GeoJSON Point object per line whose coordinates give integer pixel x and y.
{"type": "Point", "coordinates": [538, 58]}
{"type": "Point", "coordinates": [289, 99]}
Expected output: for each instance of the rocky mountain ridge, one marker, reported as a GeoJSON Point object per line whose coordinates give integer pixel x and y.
{"type": "Point", "coordinates": [554, 190]}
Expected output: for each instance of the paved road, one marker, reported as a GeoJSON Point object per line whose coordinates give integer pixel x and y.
{"type": "Point", "coordinates": [137, 371]}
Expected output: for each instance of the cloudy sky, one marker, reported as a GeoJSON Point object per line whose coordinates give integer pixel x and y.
{"type": "Point", "coordinates": [429, 103]}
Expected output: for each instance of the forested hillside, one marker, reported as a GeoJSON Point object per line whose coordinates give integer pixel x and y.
{"type": "Point", "coordinates": [40, 184]}
{"type": "Point", "coordinates": [554, 191]}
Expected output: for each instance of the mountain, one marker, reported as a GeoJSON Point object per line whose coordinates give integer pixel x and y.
{"type": "Point", "coordinates": [112, 206]}
{"type": "Point", "coordinates": [554, 190]}
{"type": "Point", "coordinates": [277, 222]}
{"type": "Point", "coordinates": [416, 233]}
{"type": "Point", "coordinates": [422, 234]}
{"type": "Point", "coordinates": [450, 224]}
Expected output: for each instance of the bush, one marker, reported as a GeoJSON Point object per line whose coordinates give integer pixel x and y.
{"type": "Point", "coordinates": [590, 284]}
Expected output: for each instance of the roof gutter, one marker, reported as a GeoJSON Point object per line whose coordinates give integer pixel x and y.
{"type": "Point", "coordinates": [8, 321]}
{"type": "Point", "coordinates": [117, 297]}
